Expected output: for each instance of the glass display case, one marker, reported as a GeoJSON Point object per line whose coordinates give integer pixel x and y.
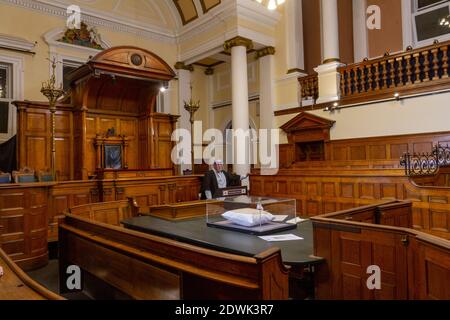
{"type": "Point", "coordinates": [252, 215]}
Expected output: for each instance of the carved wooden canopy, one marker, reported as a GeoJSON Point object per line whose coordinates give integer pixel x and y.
{"type": "Point", "coordinates": [307, 127]}
{"type": "Point", "coordinates": [125, 79]}
{"type": "Point", "coordinates": [126, 61]}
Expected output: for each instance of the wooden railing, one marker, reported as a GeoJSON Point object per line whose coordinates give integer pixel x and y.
{"type": "Point", "coordinates": [309, 86]}
{"type": "Point", "coordinates": [412, 264]}
{"type": "Point", "coordinates": [15, 284]}
{"type": "Point", "coordinates": [413, 71]}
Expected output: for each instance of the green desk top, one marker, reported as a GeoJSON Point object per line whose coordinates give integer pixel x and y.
{"type": "Point", "coordinates": [196, 232]}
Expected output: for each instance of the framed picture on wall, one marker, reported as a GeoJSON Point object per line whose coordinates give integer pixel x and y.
{"type": "Point", "coordinates": [113, 156]}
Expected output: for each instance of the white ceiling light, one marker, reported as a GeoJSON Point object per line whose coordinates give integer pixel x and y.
{"type": "Point", "coordinates": [271, 4]}
{"type": "Point", "coordinates": [445, 21]}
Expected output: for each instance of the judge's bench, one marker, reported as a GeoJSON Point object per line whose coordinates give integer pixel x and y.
{"type": "Point", "coordinates": [111, 143]}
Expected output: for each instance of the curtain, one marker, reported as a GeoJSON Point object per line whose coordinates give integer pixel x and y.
{"type": "Point", "coordinates": [8, 161]}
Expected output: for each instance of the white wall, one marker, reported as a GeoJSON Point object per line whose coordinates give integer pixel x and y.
{"type": "Point", "coordinates": [424, 114]}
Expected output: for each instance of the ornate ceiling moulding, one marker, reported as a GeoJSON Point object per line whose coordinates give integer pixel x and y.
{"type": "Point", "coordinates": [208, 5]}
{"type": "Point", "coordinates": [98, 19]}
{"type": "Point", "coordinates": [267, 51]}
{"type": "Point", "coordinates": [182, 7]}
{"type": "Point", "coordinates": [182, 66]}
{"type": "Point", "coordinates": [236, 42]}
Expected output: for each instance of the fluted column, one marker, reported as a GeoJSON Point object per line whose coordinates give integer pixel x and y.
{"type": "Point", "coordinates": [240, 107]}
{"type": "Point", "coordinates": [184, 94]}
{"type": "Point", "coordinates": [329, 89]}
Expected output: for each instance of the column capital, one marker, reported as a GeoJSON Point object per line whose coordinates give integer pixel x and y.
{"type": "Point", "coordinates": [267, 51]}
{"type": "Point", "coordinates": [331, 60]}
{"type": "Point", "coordinates": [209, 71]}
{"type": "Point", "coordinates": [296, 70]}
{"type": "Point", "coordinates": [236, 42]}
{"type": "Point", "coordinates": [182, 66]}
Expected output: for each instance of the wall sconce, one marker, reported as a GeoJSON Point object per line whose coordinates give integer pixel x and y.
{"type": "Point", "coordinates": [332, 108]}
{"type": "Point", "coordinates": [164, 86]}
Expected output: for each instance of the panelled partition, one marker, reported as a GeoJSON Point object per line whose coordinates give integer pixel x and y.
{"type": "Point", "coordinates": [30, 213]}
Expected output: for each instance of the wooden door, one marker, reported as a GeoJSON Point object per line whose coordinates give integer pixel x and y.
{"type": "Point", "coordinates": [354, 252]}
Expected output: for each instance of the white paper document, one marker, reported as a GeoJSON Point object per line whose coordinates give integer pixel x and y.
{"type": "Point", "coordinates": [283, 237]}
{"type": "Point", "coordinates": [279, 218]}
{"type": "Point", "coordinates": [296, 220]}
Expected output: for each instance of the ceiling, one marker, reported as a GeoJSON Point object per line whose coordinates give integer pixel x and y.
{"type": "Point", "coordinates": [188, 9]}
{"type": "Point", "coordinates": [164, 14]}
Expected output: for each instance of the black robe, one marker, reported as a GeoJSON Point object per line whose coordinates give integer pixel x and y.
{"type": "Point", "coordinates": [210, 182]}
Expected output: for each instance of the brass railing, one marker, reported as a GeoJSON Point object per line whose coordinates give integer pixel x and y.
{"type": "Point", "coordinates": [410, 71]}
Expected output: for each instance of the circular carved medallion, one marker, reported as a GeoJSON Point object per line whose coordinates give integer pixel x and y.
{"type": "Point", "coordinates": [136, 59]}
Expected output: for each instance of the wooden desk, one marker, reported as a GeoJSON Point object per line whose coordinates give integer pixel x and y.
{"type": "Point", "coordinates": [143, 266]}
{"type": "Point", "coordinates": [196, 232]}
{"type": "Point", "coordinates": [16, 285]}
{"type": "Point", "coordinates": [180, 211]}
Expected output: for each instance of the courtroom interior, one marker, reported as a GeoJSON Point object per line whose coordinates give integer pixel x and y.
{"type": "Point", "coordinates": [121, 176]}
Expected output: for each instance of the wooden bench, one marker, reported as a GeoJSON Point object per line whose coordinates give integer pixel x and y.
{"type": "Point", "coordinates": [142, 266]}
{"type": "Point", "coordinates": [414, 265]}
{"type": "Point", "coordinates": [106, 212]}
{"type": "Point", "coordinates": [15, 284]}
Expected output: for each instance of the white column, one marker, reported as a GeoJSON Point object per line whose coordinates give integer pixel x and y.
{"type": "Point", "coordinates": [266, 88]}
{"type": "Point", "coordinates": [327, 72]}
{"type": "Point", "coordinates": [360, 44]}
{"type": "Point", "coordinates": [209, 73]}
{"type": "Point", "coordinates": [184, 94]}
{"type": "Point", "coordinates": [240, 106]}
{"type": "Point", "coordinates": [294, 36]}
{"type": "Point", "coordinates": [330, 29]}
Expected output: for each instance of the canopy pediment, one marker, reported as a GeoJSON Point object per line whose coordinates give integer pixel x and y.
{"type": "Point", "coordinates": [306, 121]}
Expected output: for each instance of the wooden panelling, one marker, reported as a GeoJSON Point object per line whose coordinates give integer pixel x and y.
{"type": "Point", "coordinates": [366, 153]}
{"type": "Point", "coordinates": [413, 265]}
{"type": "Point", "coordinates": [319, 191]}
{"type": "Point", "coordinates": [34, 144]}
{"type": "Point", "coordinates": [433, 272]}
{"type": "Point", "coordinates": [109, 91]}
{"type": "Point", "coordinates": [149, 138]}
{"type": "Point", "coordinates": [29, 214]}
{"type": "Point", "coordinates": [36, 122]}
{"type": "Point", "coordinates": [23, 224]}
{"type": "Point", "coordinates": [147, 192]}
